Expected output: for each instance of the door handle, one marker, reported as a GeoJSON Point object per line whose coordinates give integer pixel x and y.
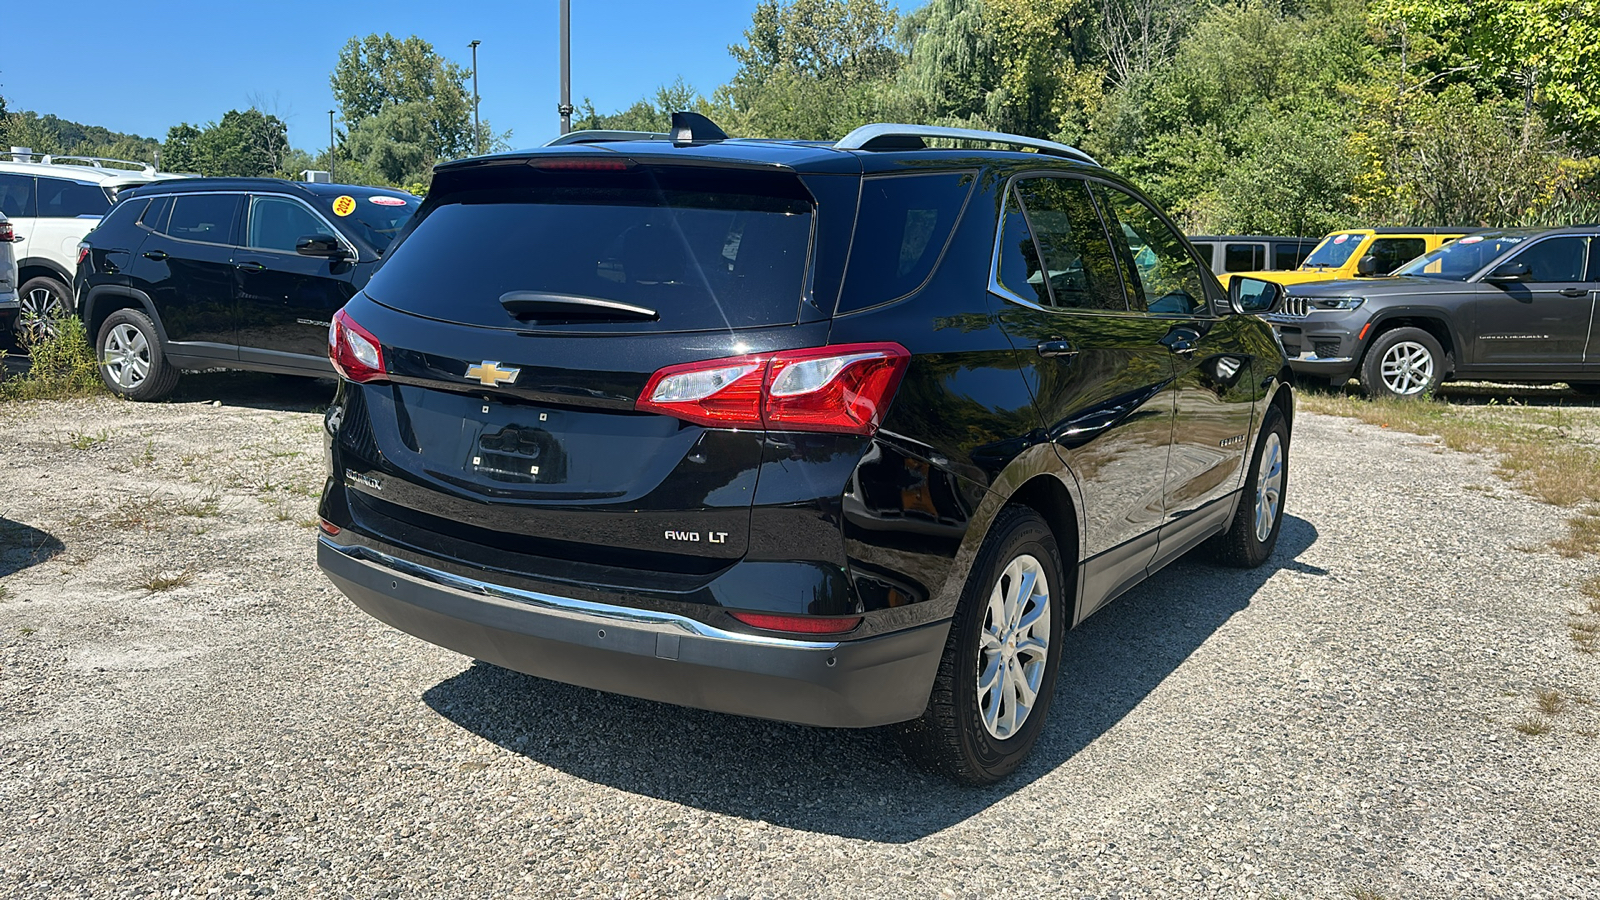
{"type": "Point", "coordinates": [1056, 349]}
{"type": "Point", "coordinates": [157, 255]}
{"type": "Point", "coordinates": [1574, 292]}
{"type": "Point", "coordinates": [252, 266]}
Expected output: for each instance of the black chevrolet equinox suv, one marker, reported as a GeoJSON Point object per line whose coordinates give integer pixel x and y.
{"type": "Point", "coordinates": [842, 434]}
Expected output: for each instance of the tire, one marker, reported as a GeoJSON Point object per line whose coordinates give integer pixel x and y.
{"type": "Point", "coordinates": [1407, 363]}
{"type": "Point", "coordinates": [970, 734]}
{"type": "Point", "coordinates": [132, 363]}
{"type": "Point", "coordinates": [1586, 388]}
{"type": "Point", "coordinates": [1253, 534]}
{"type": "Point", "coordinates": [44, 300]}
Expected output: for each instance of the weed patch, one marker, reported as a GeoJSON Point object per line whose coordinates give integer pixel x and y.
{"type": "Point", "coordinates": [85, 441]}
{"type": "Point", "coordinates": [1533, 726]}
{"type": "Point", "coordinates": [63, 366]}
{"type": "Point", "coordinates": [155, 584]}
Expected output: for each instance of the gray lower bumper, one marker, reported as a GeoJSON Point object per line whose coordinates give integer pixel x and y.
{"type": "Point", "coordinates": [657, 656]}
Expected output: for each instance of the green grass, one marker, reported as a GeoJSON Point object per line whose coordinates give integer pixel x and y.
{"type": "Point", "coordinates": [85, 441]}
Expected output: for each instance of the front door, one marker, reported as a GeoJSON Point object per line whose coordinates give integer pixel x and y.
{"type": "Point", "coordinates": [1100, 375]}
{"type": "Point", "coordinates": [1541, 322]}
{"type": "Point", "coordinates": [286, 301]}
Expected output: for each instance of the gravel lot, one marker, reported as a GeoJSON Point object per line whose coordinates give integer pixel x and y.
{"type": "Point", "coordinates": [1338, 724]}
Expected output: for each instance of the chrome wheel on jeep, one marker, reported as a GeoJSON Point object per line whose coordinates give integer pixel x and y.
{"type": "Point", "coordinates": [1406, 363]}
{"type": "Point", "coordinates": [131, 361]}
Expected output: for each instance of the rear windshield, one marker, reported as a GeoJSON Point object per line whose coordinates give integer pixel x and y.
{"type": "Point", "coordinates": [374, 217]}
{"type": "Point", "coordinates": [1333, 251]}
{"type": "Point", "coordinates": [1461, 259]}
{"type": "Point", "coordinates": [702, 250]}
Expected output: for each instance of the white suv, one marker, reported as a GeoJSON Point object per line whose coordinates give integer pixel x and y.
{"type": "Point", "coordinates": [53, 202]}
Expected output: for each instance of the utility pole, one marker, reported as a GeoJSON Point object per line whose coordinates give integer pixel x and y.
{"type": "Point", "coordinates": [477, 129]}
{"type": "Point", "coordinates": [566, 67]}
{"type": "Point", "coordinates": [331, 176]}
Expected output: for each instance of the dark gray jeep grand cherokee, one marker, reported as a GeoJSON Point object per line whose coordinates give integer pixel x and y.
{"type": "Point", "coordinates": [1515, 304]}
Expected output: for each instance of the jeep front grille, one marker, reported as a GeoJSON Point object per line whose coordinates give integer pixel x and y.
{"type": "Point", "coordinates": [1294, 308]}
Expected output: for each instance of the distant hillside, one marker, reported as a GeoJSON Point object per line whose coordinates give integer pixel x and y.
{"type": "Point", "coordinates": [52, 134]}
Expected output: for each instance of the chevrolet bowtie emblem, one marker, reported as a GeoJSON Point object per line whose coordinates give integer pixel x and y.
{"type": "Point", "coordinates": [490, 374]}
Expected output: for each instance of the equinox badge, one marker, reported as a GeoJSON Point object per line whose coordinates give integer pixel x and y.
{"type": "Point", "coordinates": [490, 374]}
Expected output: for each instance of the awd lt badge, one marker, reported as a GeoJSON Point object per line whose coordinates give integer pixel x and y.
{"type": "Point", "coordinates": [490, 374]}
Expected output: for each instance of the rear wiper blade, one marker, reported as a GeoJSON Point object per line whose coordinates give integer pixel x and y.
{"type": "Point", "coordinates": [542, 304]}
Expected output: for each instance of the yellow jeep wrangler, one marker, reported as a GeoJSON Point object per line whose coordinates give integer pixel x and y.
{"type": "Point", "coordinates": [1360, 253]}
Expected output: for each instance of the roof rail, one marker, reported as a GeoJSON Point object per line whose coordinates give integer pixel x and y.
{"type": "Point", "coordinates": [884, 136]}
{"type": "Point", "coordinates": [98, 162]}
{"type": "Point", "coordinates": [602, 136]}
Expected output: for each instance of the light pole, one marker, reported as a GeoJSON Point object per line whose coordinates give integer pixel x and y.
{"type": "Point", "coordinates": [331, 170]}
{"type": "Point", "coordinates": [566, 67]}
{"type": "Point", "coordinates": [477, 129]}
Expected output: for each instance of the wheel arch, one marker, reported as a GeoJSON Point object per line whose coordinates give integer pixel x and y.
{"type": "Point", "coordinates": [103, 300]}
{"type": "Point", "coordinates": [1434, 322]}
{"type": "Point", "coordinates": [36, 266]}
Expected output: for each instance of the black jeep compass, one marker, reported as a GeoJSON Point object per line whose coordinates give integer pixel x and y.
{"type": "Point", "coordinates": [841, 434]}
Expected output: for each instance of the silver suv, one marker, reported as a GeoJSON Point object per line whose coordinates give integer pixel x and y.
{"type": "Point", "coordinates": [53, 202]}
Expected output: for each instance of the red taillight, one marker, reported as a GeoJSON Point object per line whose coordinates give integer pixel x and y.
{"type": "Point", "coordinates": [83, 252]}
{"type": "Point", "coordinates": [799, 624]}
{"type": "Point", "coordinates": [7, 235]}
{"type": "Point", "coordinates": [844, 388]}
{"type": "Point", "coordinates": [355, 353]}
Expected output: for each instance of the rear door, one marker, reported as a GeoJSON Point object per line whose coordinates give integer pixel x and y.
{"type": "Point", "coordinates": [19, 201]}
{"type": "Point", "coordinates": [1543, 321]}
{"type": "Point", "coordinates": [68, 210]}
{"type": "Point", "coordinates": [286, 301]}
{"type": "Point", "coordinates": [521, 317]}
{"type": "Point", "coordinates": [1100, 373]}
{"type": "Point", "coordinates": [186, 267]}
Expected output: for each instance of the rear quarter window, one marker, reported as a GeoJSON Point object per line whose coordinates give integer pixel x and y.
{"type": "Point", "coordinates": [903, 225]}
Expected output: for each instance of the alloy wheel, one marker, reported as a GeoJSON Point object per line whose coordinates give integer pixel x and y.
{"type": "Point", "coordinates": [127, 356]}
{"type": "Point", "coordinates": [1269, 487]}
{"type": "Point", "coordinates": [38, 315]}
{"type": "Point", "coordinates": [1407, 368]}
{"type": "Point", "coordinates": [1014, 646]}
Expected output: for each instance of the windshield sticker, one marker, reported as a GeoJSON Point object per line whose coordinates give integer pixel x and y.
{"type": "Point", "coordinates": [1341, 238]}
{"type": "Point", "coordinates": [344, 206]}
{"type": "Point", "coordinates": [387, 201]}
{"type": "Point", "coordinates": [1471, 239]}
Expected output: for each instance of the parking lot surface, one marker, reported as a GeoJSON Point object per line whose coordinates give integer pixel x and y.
{"type": "Point", "coordinates": [188, 708]}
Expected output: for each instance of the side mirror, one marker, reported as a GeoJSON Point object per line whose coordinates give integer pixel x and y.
{"type": "Point", "coordinates": [324, 245]}
{"type": "Point", "coordinates": [1367, 266]}
{"type": "Point", "coordinates": [1510, 271]}
{"type": "Point", "coordinates": [1254, 297]}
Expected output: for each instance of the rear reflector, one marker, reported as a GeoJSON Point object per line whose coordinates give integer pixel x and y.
{"type": "Point", "coordinates": [799, 624]}
{"type": "Point", "coordinates": [844, 388]}
{"type": "Point", "coordinates": [354, 352]}
{"type": "Point", "coordinates": [327, 527]}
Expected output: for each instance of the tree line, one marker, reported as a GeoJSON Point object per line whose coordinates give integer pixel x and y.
{"type": "Point", "coordinates": [1239, 116]}
{"type": "Point", "coordinates": [1248, 116]}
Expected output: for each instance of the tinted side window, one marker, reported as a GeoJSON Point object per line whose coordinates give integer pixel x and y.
{"type": "Point", "coordinates": [17, 197]}
{"type": "Point", "coordinates": [155, 215]}
{"type": "Point", "coordinates": [62, 199]}
{"type": "Point", "coordinates": [1078, 262]}
{"type": "Point", "coordinates": [1168, 279]}
{"type": "Point", "coordinates": [1245, 258]}
{"type": "Point", "coordinates": [901, 230]}
{"type": "Point", "coordinates": [1594, 260]}
{"type": "Point", "coordinates": [1554, 261]}
{"type": "Point", "coordinates": [1289, 255]}
{"type": "Point", "coordinates": [1205, 249]}
{"type": "Point", "coordinates": [1392, 253]}
{"type": "Point", "coordinates": [278, 223]}
{"type": "Point", "coordinates": [209, 218]}
{"type": "Point", "coordinates": [1020, 272]}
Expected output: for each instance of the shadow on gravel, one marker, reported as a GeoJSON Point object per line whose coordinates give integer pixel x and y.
{"type": "Point", "coordinates": [257, 390]}
{"type": "Point", "coordinates": [853, 784]}
{"type": "Point", "coordinates": [23, 546]}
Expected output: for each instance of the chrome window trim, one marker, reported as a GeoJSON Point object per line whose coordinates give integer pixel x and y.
{"type": "Point", "coordinates": [568, 607]}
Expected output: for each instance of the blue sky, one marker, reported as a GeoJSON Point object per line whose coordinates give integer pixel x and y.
{"type": "Point", "coordinates": [142, 68]}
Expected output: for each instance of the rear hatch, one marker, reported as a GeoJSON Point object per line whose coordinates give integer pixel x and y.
{"type": "Point", "coordinates": [520, 317]}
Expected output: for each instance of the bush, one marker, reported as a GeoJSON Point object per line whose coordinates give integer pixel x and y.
{"type": "Point", "coordinates": [64, 366]}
